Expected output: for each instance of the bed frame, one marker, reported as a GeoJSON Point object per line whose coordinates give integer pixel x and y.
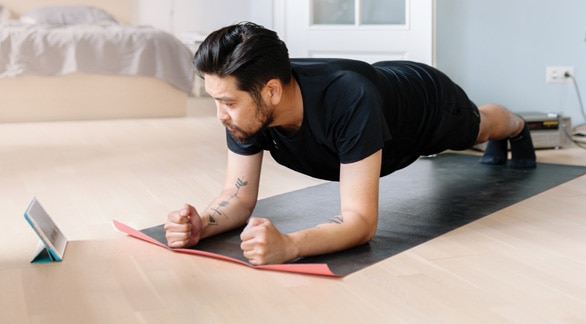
{"type": "Point", "coordinates": [82, 96]}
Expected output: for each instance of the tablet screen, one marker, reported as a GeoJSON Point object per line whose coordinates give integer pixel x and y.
{"type": "Point", "coordinates": [46, 229]}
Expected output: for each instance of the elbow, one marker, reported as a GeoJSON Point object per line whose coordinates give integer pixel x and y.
{"type": "Point", "coordinates": [369, 225]}
{"type": "Point", "coordinates": [363, 225]}
{"type": "Point", "coordinates": [369, 235]}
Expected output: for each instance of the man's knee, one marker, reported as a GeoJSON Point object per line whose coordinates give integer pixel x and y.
{"type": "Point", "coordinates": [497, 122]}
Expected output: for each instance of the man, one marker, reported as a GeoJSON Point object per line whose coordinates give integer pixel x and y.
{"type": "Point", "coordinates": [339, 120]}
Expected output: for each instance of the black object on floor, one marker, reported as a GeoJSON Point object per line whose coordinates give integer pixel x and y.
{"type": "Point", "coordinates": [427, 199]}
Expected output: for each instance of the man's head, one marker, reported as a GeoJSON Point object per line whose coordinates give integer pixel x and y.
{"type": "Point", "coordinates": [250, 53]}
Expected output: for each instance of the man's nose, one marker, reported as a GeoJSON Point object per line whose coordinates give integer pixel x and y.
{"type": "Point", "coordinates": [221, 113]}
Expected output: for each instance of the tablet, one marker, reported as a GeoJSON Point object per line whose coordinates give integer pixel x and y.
{"type": "Point", "coordinates": [48, 232]}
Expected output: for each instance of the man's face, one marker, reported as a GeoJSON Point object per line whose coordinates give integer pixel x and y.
{"type": "Point", "coordinates": [236, 109]}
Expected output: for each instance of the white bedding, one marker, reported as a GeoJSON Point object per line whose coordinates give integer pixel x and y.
{"type": "Point", "coordinates": [105, 48]}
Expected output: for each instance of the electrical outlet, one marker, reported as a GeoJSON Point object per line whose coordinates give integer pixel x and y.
{"type": "Point", "coordinates": [558, 74]}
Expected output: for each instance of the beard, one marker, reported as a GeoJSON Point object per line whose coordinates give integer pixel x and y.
{"type": "Point", "coordinates": [263, 117]}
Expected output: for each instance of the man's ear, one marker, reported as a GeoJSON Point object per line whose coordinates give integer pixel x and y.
{"type": "Point", "coordinates": [274, 91]}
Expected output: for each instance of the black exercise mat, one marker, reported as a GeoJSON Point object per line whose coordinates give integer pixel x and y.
{"type": "Point", "coordinates": [425, 200]}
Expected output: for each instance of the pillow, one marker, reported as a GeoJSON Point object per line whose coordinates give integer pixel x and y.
{"type": "Point", "coordinates": [66, 15]}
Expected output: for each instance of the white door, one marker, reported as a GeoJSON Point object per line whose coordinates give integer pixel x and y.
{"type": "Point", "coordinates": [367, 30]}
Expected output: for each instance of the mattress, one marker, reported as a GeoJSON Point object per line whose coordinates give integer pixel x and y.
{"type": "Point", "coordinates": [100, 48]}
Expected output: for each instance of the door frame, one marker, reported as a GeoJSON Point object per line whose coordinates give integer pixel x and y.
{"type": "Point", "coordinates": [280, 20]}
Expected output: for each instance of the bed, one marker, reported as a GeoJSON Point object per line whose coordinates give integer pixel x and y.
{"type": "Point", "coordinates": [64, 60]}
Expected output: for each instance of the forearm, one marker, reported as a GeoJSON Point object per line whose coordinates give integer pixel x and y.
{"type": "Point", "coordinates": [262, 243]}
{"type": "Point", "coordinates": [226, 212]}
{"type": "Point", "coordinates": [342, 232]}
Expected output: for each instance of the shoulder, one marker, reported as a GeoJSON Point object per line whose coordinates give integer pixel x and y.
{"type": "Point", "coordinates": [335, 78]}
{"type": "Point", "coordinates": [330, 66]}
{"type": "Point", "coordinates": [339, 95]}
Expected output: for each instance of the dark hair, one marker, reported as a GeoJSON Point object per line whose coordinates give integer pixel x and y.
{"type": "Point", "coordinates": [247, 51]}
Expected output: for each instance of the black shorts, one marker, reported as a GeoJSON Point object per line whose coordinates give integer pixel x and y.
{"type": "Point", "coordinates": [458, 124]}
{"type": "Point", "coordinates": [445, 120]}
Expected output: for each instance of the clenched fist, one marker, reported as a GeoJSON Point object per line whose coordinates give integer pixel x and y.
{"type": "Point", "coordinates": [262, 243]}
{"type": "Point", "coordinates": [183, 227]}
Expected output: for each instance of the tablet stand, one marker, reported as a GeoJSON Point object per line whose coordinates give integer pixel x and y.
{"type": "Point", "coordinates": [43, 254]}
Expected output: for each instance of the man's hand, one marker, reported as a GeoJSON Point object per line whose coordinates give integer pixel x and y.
{"type": "Point", "coordinates": [183, 227]}
{"type": "Point", "coordinates": [262, 243]}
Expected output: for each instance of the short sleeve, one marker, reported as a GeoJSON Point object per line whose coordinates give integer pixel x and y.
{"type": "Point", "coordinates": [362, 129]}
{"type": "Point", "coordinates": [239, 147]}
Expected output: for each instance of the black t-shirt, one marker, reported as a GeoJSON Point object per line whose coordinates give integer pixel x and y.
{"type": "Point", "coordinates": [352, 109]}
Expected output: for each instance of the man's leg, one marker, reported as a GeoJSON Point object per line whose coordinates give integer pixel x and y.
{"type": "Point", "coordinates": [497, 126]}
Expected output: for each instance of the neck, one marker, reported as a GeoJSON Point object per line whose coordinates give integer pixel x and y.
{"type": "Point", "coordinates": [288, 113]}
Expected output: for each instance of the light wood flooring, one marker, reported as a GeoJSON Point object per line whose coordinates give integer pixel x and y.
{"type": "Point", "coordinates": [524, 264]}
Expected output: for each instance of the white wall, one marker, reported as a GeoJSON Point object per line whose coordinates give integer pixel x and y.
{"type": "Point", "coordinates": [497, 50]}
{"type": "Point", "coordinates": [155, 13]}
{"type": "Point", "coordinates": [203, 16]}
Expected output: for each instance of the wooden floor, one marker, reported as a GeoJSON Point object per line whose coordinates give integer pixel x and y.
{"type": "Point", "coordinates": [523, 264]}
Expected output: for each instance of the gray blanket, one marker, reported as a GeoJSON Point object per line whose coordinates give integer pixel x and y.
{"type": "Point", "coordinates": [106, 48]}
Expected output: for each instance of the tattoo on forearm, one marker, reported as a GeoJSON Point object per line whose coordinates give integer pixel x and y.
{"type": "Point", "coordinates": [212, 220]}
{"type": "Point", "coordinates": [339, 219]}
{"type": "Point", "coordinates": [225, 203]}
{"type": "Point", "coordinates": [239, 184]}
